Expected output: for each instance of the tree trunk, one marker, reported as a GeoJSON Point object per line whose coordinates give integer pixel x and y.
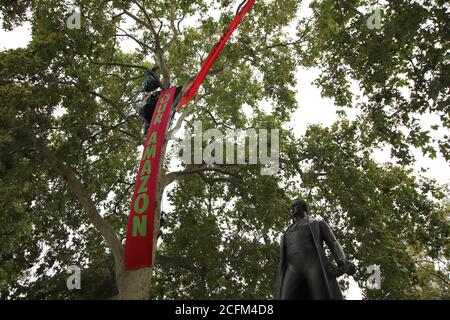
{"type": "Point", "coordinates": [135, 285]}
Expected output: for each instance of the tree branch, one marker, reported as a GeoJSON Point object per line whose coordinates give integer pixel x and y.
{"type": "Point", "coordinates": [175, 30]}
{"type": "Point", "coordinates": [189, 171]}
{"type": "Point", "coordinates": [192, 169]}
{"type": "Point", "coordinates": [141, 43]}
{"type": "Point", "coordinates": [136, 19]}
{"type": "Point", "coordinates": [159, 53]}
{"type": "Point", "coordinates": [108, 101]}
{"type": "Point", "coordinates": [83, 196]}
{"type": "Point", "coordinates": [187, 109]}
{"type": "Point", "coordinates": [435, 274]}
{"type": "Point", "coordinates": [117, 64]}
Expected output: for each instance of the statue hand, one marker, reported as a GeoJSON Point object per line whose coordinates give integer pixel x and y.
{"type": "Point", "coordinates": [346, 267]}
{"type": "Point", "coordinates": [350, 268]}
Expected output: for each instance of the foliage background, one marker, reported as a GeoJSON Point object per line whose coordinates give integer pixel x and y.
{"type": "Point", "coordinates": [73, 93]}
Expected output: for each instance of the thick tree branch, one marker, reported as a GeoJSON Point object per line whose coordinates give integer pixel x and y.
{"type": "Point", "coordinates": [194, 169]}
{"type": "Point", "coordinates": [138, 20]}
{"type": "Point", "coordinates": [108, 101]}
{"type": "Point", "coordinates": [186, 110]}
{"type": "Point", "coordinates": [175, 31]}
{"type": "Point", "coordinates": [189, 171]}
{"type": "Point", "coordinates": [141, 43]}
{"type": "Point", "coordinates": [148, 18]}
{"type": "Point", "coordinates": [83, 196]}
{"type": "Point", "coordinates": [159, 53]}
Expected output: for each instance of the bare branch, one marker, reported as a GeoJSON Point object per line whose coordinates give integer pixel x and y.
{"type": "Point", "coordinates": [171, 134]}
{"type": "Point", "coordinates": [189, 171]}
{"type": "Point", "coordinates": [141, 43]}
{"type": "Point", "coordinates": [175, 30]}
{"type": "Point", "coordinates": [194, 169]}
{"type": "Point", "coordinates": [159, 53]}
{"type": "Point", "coordinates": [109, 101]}
{"type": "Point", "coordinates": [147, 16]}
{"type": "Point", "coordinates": [138, 20]}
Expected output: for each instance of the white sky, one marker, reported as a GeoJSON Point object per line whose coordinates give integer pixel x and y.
{"type": "Point", "coordinates": [313, 109]}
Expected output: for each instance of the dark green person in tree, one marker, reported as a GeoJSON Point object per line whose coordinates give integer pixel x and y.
{"type": "Point", "coordinates": [150, 88]}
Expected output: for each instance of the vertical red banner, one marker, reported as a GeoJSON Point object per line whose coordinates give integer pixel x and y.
{"type": "Point", "coordinates": [139, 243]}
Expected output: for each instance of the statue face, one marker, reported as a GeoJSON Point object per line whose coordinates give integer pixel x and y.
{"type": "Point", "coordinates": [299, 208]}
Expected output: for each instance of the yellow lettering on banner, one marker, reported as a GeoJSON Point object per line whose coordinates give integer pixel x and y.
{"type": "Point", "coordinates": [150, 152]}
{"type": "Point", "coordinates": [166, 98]}
{"type": "Point", "coordinates": [158, 118]}
{"type": "Point", "coordinates": [146, 168]}
{"type": "Point", "coordinates": [143, 186]}
{"type": "Point", "coordinates": [140, 226]}
{"type": "Point", "coordinates": [152, 138]}
{"type": "Point", "coordinates": [160, 110]}
{"type": "Point", "coordinates": [138, 208]}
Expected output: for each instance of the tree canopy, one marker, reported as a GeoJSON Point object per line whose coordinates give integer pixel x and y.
{"type": "Point", "coordinates": [70, 137]}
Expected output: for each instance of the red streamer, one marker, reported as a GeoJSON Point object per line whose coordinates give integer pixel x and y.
{"type": "Point", "coordinates": [192, 90]}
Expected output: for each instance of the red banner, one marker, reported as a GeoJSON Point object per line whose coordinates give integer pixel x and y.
{"type": "Point", "coordinates": [214, 53]}
{"type": "Point", "coordinates": [139, 243]}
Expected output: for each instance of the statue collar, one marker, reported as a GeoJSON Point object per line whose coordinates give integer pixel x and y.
{"type": "Point", "coordinates": [298, 223]}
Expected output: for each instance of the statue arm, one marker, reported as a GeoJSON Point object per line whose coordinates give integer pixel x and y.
{"type": "Point", "coordinates": [332, 243]}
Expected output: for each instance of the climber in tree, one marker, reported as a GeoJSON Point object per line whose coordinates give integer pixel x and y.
{"type": "Point", "coordinates": [151, 95]}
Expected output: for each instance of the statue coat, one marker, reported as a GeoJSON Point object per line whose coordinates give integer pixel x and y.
{"type": "Point", "coordinates": [328, 270]}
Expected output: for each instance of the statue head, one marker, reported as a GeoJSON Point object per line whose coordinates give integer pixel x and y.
{"type": "Point", "coordinates": [299, 208]}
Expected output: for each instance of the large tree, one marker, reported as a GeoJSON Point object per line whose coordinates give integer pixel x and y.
{"type": "Point", "coordinates": [69, 140]}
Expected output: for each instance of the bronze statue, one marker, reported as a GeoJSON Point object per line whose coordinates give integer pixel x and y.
{"type": "Point", "coordinates": [304, 272]}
